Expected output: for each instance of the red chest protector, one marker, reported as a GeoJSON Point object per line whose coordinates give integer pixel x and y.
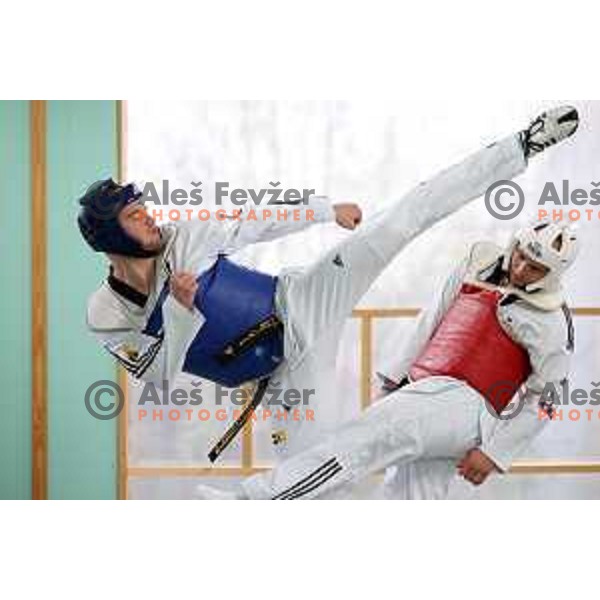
{"type": "Point", "coordinates": [470, 345]}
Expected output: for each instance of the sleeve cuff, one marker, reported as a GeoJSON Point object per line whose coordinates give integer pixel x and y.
{"type": "Point", "coordinates": [187, 320]}
{"type": "Point", "coordinates": [323, 207]}
{"type": "Point", "coordinates": [503, 462]}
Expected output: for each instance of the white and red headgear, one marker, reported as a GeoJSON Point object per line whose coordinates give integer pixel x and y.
{"type": "Point", "coordinates": [550, 243]}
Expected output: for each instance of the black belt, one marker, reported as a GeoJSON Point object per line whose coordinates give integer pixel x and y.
{"type": "Point", "coordinates": [237, 425]}
{"type": "Point", "coordinates": [250, 338]}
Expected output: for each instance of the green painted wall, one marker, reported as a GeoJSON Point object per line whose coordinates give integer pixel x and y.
{"type": "Point", "coordinates": [15, 316]}
{"type": "Point", "coordinates": [82, 147]}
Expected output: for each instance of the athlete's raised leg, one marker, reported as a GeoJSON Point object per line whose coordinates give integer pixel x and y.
{"type": "Point", "coordinates": [322, 297]}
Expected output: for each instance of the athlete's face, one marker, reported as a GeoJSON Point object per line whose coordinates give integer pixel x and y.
{"type": "Point", "coordinates": [524, 271]}
{"type": "Point", "coordinates": [137, 223]}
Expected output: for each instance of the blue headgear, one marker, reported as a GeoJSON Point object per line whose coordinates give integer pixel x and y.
{"type": "Point", "coordinates": [98, 219]}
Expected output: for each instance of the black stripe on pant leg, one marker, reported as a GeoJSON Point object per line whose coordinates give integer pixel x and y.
{"type": "Point", "coordinates": [323, 478]}
{"type": "Point", "coordinates": [306, 479]}
{"type": "Point", "coordinates": [297, 495]}
{"type": "Point", "coordinates": [317, 477]}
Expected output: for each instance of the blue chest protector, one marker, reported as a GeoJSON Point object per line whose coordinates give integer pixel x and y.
{"type": "Point", "coordinates": [241, 339]}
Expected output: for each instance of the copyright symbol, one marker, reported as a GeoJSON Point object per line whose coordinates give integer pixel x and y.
{"type": "Point", "coordinates": [102, 408]}
{"type": "Point", "coordinates": [504, 199]}
{"type": "Point", "coordinates": [507, 394]}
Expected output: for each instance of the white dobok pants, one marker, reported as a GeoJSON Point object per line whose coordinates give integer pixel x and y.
{"type": "Point", "coordinates": [421, 429]}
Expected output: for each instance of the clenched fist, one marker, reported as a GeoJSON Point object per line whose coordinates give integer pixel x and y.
{"type": "Point", "coordinates": [183, 287]}
{"type": "Point", "coordinates": [476, 466]}
{"type": "Point", "coordinates": [347, 216]}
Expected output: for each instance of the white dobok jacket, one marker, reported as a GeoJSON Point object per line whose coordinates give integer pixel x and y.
{"type": "Point", "coordinates": [118, 321]}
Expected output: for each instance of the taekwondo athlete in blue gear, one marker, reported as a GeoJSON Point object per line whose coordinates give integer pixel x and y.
{"type": "Point", "coordinates": [232, 333]}
{"type": "Point", "coordinates": [241, 339]}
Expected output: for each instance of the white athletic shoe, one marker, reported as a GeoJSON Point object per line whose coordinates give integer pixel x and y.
{"type": "Point", "coordinates": [551, 127]}
{"type": "Point", "coordinates": [207, 492]}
